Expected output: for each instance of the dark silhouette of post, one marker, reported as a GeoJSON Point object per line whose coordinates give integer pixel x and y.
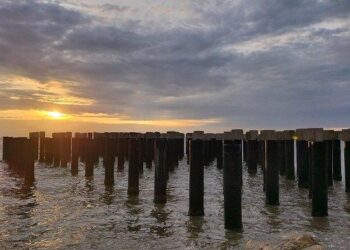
{"type": "Point", "coordinates": [35, 137]}
{"type": "Point", "coordinates": [219, 151]}
{"type": "Point", "coordinates": [281, 152]}
{"type": "Point", "coordinates": [289, 153]}
{"type": "Point", "coordinates": [196, 207]}
{"type": "Point", "coordinates": [345, 136]}
{"type": "Point", "coordinates": [122, 148]}
{"type": "Point", "coordinates": [29, 155]}
{"type": "Point", "coordinates": [42, 146]}
{"type": "Point", "coordinates": [272, 168]}
{"type": "Point", "coordinates": [6, 144]}
{"type": "Point", "coordinates": [252, 151]}
{"type": "Point", "coordinates": [303, 163]}
{"type": "Point", "coordinates": [233, 180]}
{"type": "Point", "coordinates": [160, 174]}
{"type": "Point", "coordinates": [150, 138]}
{"type": "Point", "coordinates": [89, 162]}
{"type": "Point", "coordinates": [133, 177]}
{"type": "Point", "coordinates": [319, 173]}
{"type": "Point", "coordinates": [336, 159]}
{"type": "Point", "coordinates": [329, 136]}
{"type": "Point", "coordinates": [261, 153]}
{"type": "Point", "coordinates": [75, 156]}
{"type": "Point", "coordinates": [109, 159]}
{"type": "Point", "coordinates": [56, 149]}
{"type": "Point", "coordinates": [188, 139]}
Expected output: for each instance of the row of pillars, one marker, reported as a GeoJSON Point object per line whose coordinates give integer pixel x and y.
{"type": "Point", "coordinates": [165, 150]}
{"type": "Point", "coordinates": [318, 154]}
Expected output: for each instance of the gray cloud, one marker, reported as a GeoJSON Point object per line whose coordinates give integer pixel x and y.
{"type": "Point", "coordinates": [298, 79]}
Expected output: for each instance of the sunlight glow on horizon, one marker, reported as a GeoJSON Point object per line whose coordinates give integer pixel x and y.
{"type": "Point", "coordinates": [55, 114]}
{"type": "Point", "coordinates": [102, 118]}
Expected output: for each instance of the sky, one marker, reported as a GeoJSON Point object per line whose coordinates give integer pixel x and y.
{"type": "Point", "coordinates": [214, 65]}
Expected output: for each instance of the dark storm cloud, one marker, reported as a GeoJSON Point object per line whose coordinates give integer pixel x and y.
{"type": "Point", "coordinates": [189, 71]}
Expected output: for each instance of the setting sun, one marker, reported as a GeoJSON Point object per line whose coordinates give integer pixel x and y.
{"type": "Point", "coordinates": [55, 114]}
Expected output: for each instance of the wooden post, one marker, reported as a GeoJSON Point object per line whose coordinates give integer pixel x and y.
{"type": "Point", "coordinates": [302, 160]}
{"type": "Point", "coordinates": [272, 169]}
{"type": "Point", "coordinates": [160, 175]}
{"type": "Point", "coordinates": [122, 148]}
{"type": "Point", "coordinates": [336, 160]}
{"type": "Point", "coordinates": [233, 180]}
{"type": "Point", "coordinates": [196, 207]}
{"type": "Point", "coordinates": [252, 151]}
{"type": "Point", "coordinates": [289, 153]}
{"type": "Point", "coordinates": [56, 149]}
{"type": "Point", "coordinates": [219, 151]}
{"type": "Point", "coordinates": [75, 156]}
{"type": "Point", "coordinates": [329, 136]}
{"type": "Point", "coordinates": [133, 177]}
{"type": "Point", "coordinates": [34, 136]}
{"type": "Point", "coordinates": [42, 146]}
{"type": "Point", "coordinates": [345, 136]}
{"type": "Point", "coordinates": [319, 173]}
{"type": "Point", "coordinates": [281, 152]}
{"type": "Point", "coordinates": [109, 159]}
{"type": "Point", "coordinates": [48, 150]}
{"type": "Point", "coordinates": [6, 141]}
{"type": "Point", "coordinates": [89, 163]}
{"type": "Point", "coordinates": [149, 137]}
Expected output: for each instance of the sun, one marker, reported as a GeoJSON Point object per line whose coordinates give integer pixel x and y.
{"type": "Point", "coordinates": [55, 114]}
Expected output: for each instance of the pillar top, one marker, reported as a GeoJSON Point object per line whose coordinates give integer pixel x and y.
{"type": "Point", "coordinates": [198, 132]}
{"type": "Point", "coordinates": [235, 134]}
{"type": "Point", "coordinates": [198, 136]}
{"type": "Point", "coordinates": [267, 135]}
{"type": "Point", "coordinates": [251, 135]}
{"type": "Point", "coordinates": [310, 134]}
{"type": "Point", "coordinates": [345, 135]}
{"type": "Point", "coordinates": [329, 135]}
{"type": "Point", "coordinates": [289, 134]}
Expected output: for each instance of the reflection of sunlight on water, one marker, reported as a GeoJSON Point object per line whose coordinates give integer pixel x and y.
{"type": "Point", "coordinates": [62, 211]}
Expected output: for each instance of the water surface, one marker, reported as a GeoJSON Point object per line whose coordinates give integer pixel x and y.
{"type": "Point", "coordinates": [64, 212]}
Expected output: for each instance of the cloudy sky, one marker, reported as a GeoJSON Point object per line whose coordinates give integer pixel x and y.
{"type": "Point", "coordinates": [173, 64]}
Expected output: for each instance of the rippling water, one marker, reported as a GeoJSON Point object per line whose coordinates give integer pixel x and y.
{"type": "Point", "coordinates": [61, 211]}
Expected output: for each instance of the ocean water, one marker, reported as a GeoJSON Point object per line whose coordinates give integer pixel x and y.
{"type": "Point", "coordinates": [60, 211]}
